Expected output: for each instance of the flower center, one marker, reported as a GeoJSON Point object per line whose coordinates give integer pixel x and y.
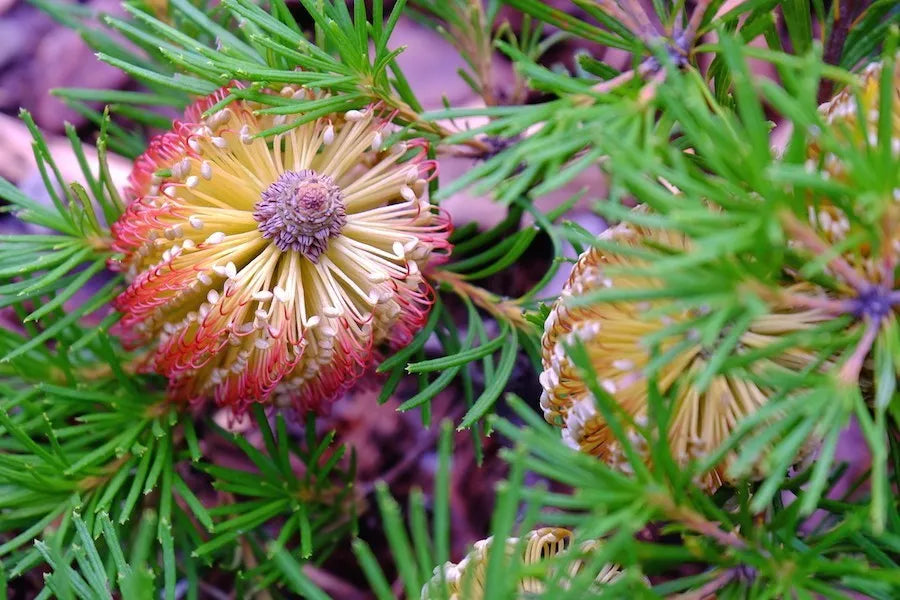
{"type": "Point", "coordinates": [875, 302]}
{"type": "Point", "coordinates": [301, 211]}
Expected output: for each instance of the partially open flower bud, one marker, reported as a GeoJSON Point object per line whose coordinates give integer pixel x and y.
{"type": "Point", "coordinates": [271, 268]}
{"type": "Point", "coordinates": [615, 337]}
{"type": "Point", "coordinates": [466, 580]}
{"type": "Point", "coordinates": [843, 111]}
{"type": "Point", "coordinates": [857, 228]}
{"type": "Point", "coordinates": [854, 119]}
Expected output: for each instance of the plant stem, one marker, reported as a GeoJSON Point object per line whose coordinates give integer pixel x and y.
{"type": "Point", "coordinates": [805, 235]}
{"type": "Point", "coordinates": [845, 15]}
{"type": "Point", "coordinates": [709, 589]}
{"type": "Point", "coordinates": [631, 16]}
{"type": "Point", "coordinates": [889, 251]}
{"type": "Point", "coordinates": [697, 522]}
{"type": "Point", "coordinates": [849, 372]}
{"type": "Point", "coordinates": [690, 33]}
{"type": "Point", "coordinates": [504, 310]}
{"type": "Point", "coordinates": [406, 112]}
{"type": "Point", "coordinates": [829, 305]}
{"type": "Point", "coordinates": [251, 563]}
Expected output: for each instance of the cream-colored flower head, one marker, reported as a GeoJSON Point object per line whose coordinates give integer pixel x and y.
{"type": "Point", "coordinates": [466, 580]}
{"type": "Point", "coordinates": [614, 335]}
{"type": "Point", "coordinates": [842, 113]}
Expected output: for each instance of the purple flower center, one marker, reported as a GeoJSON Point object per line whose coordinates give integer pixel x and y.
{"type": "Point", "coordinates": [301, 211]}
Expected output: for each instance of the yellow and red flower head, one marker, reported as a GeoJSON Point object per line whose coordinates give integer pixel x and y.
{"type": "Point", "coordinates": [273, 268]}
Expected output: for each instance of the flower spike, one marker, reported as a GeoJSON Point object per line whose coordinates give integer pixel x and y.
{"type": "Point", "coordinates": [614, 335]}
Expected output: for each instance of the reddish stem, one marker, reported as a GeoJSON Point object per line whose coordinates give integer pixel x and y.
{"type": "Point", "coordinates": [828, 305]}
{"type": "Point", "coordinates": [805, 234]}
{"type": "Point", "coordinates": [849, 372]}
{"type": "Point", "coordinates": [709, 589]}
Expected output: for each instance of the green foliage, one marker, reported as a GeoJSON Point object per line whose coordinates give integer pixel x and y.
{"type": "Point", "coordinates": [89, 446]}
{"type": "Point", "coordinates": [106, 486]}
{"type": "Point", "coordinates": [431, 547]}
{"type": "Point", "coordinates": [92, 579]}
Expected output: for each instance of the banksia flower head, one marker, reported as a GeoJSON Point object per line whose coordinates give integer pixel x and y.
{"type": "Point", "coordinates": [854, 118]}
{"type": "Point", "coordinates": [466, 579]}
{"type": "Point", "coordinates": [275, 267]}
{"type": "Point", "coordinates": [614, 335]}
{"type": "Point", "coordinates": [845, 108]}
{"type": "Point", "coordinates": [859, 229]}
